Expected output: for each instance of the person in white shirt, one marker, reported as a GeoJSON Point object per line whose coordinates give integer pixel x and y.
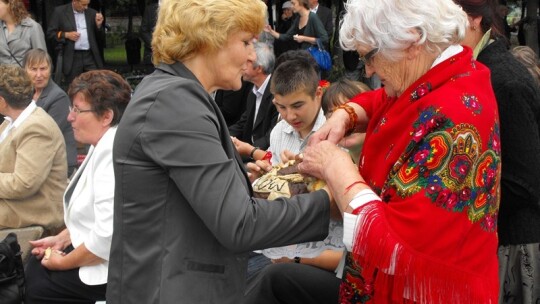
{"type": "Point", "coordinates": [75, 268]}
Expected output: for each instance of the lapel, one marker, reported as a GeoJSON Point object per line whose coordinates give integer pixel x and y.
{"type": "Point", "coordinates": [70, 17]}
{"type": "Point", "coordinates": [266, 102]}
{"type": "Point", "coordinates": [43, 96]}
{"type": "Point", "coordinates": [79, 178]}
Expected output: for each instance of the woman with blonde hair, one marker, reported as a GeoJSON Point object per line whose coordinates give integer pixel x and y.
{"type": "Point", "coordinates": [19, 32]}
{"type": "Point", "coordinates": [185, 218]}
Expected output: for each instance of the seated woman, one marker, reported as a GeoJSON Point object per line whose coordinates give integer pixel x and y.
{"type": "Point", "coordinates": [49, 96]}
{"type": "Point", "coordinates": [33, 164]}
{"type": "Point", "coordinates": [75, 268]}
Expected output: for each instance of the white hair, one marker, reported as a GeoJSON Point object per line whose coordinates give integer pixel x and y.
{"type": "Point", "coordinates": [394, 25]}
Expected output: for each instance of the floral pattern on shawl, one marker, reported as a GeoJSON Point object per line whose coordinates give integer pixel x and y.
{"type": "Point", "coordinates": [447, 164]}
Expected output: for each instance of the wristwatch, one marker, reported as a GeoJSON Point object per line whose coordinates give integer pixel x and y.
{"type": "Point", "coordinates": [297, 260]}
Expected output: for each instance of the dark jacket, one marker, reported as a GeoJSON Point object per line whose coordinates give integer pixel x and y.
{"type": "Point", "coordinates": [314, 28]}
{"type": "Point", "coordinates": [62, 21]}
{"type": "Point", "coordinates": [258, 128]}
{"type": "Point", "coordinates": [56, 103]}
{"type": "Point", "coordinates": [518, 99]}
{"type": "Point", "coordinates": [184, 218]}
{"type": "Point", "coordinates": [325, 15]}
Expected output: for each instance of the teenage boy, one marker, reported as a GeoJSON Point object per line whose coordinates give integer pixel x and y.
{"type": "Point", "coordinates": [297, 97]}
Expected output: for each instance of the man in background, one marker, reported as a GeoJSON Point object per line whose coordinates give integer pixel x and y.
{"type": "Point", "coordinates": [78, 29]}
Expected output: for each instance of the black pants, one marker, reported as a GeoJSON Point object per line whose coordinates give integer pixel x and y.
{"type": "Point", "coordinates": [45, 286]}
{"type": "Point", "coordinates": [83, 61]}
{"type": "Point", "coordinates": [292, 283]}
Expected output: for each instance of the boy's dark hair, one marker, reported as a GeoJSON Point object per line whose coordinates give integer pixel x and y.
{"type": "Point", "coordinates": [297, 54]}
{"type": "Point", "coordinates": [295, 75]}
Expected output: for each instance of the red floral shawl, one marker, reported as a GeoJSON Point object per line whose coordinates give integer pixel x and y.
{"type": "Point", "coordinates": [433, 156]}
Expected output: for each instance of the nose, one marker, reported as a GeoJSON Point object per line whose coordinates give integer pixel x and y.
{"type": "Point", "coordinates": [369, 70]}
{"type": "Point", "coordinates": [71, 116]}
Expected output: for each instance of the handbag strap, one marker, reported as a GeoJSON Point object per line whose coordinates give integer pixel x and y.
{"type": "Point", "coordinates": [319, 44]}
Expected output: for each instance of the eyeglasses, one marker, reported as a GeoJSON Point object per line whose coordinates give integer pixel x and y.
{"type": "Point", "coordinates": [367, 59]}
{"type": "Point", "coordinates": [78, 111]}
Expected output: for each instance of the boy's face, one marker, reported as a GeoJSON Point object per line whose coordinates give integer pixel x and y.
{"type": "Point", "coordinates": [299, 110]}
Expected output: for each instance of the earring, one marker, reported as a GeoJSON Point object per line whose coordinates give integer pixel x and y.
{"type": "Point", "coordinates": [474, 28]}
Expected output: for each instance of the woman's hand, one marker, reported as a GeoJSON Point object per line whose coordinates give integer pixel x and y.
{"type": "Point", "coordinates": [333, 129]}
{"type": "Point", "coordinates": [58, 242]}
{"type": "Point", "coordinates": [243, 148]}
{"type": "Point", "coordinates": [54, 261]}
{"type": "Point", "coordinates": [319, 157]}
{"type": "Point", "coordinates": [258, 169]}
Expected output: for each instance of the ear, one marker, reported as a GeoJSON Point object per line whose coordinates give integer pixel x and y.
{"type": "Point", "coordinates": [414, 50]}
{"type": "Point", "coordinates": [474, 23]}
{"type": "Point", "coordinates": [107, 118]}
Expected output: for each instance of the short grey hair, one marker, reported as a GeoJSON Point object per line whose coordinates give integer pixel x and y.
{"type": "Point", "coordinates": [265, 57]}
{"type": "Point", "coordinates": [390, 25]}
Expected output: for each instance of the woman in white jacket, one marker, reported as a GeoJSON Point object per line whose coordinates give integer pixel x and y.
{"type": "Point", "coordinates": [71, 267]}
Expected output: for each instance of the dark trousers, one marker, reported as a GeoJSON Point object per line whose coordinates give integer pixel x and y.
{"type": "Point", "coordinates": [44, 286]}
{"type": "Point", "coordinates": [290, 283]}
{"type": "Point", "coordinates": [83, 61]}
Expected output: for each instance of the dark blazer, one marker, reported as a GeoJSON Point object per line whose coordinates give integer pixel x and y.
{"type": "Point", "coordinates": [63, 20]}
{"type": "Point", "coordinates": [184, 218]}
{"type": "Point", "coordinates": [314, 28]}
{"type": "Point", "coordinates": [56, 103]}
{"type": "Point", "coordinates": [325, 15]}
{"type": "Point", "coordinates": [265, 121]}
{"type": "Point", "coordinates": [233, 103]}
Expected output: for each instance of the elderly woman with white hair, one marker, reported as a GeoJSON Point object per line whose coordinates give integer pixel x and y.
{"type": "Point", "coordinates": [420, 210]}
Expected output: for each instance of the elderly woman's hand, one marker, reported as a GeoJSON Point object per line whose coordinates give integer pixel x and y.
{"type": "Point", "coordinates": [333, 130]}
{"type": "Point", "coordinates": [317, 158]}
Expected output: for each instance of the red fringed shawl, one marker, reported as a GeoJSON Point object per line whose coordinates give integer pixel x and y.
{"type": "Point", "coordinates": [433, 156]}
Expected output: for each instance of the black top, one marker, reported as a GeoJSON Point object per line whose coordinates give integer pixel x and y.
{"type": "Point", "coordinates": [518, 99]}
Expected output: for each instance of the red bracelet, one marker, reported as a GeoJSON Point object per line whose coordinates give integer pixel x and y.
{"type": "Point", "coordinates": [267, 156]}
{"type": "Point", "coordinates": [355, 183]}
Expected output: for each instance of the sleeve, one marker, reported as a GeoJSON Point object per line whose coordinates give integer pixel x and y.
{"type": "Point", "coordinates": [290, 32]}
{"type": "Point", "coordinates": [369, 101]}
{"type": "Point", "coordinates": [31, 168]}
{"type": "Point", "coordinates": [320, 31]}
{"type": "Point", "coordinates": [37, 38]}
{"type": "Point", "coordinates": [99, 239]}
{"type": "Point", "coordinates": [54, 32]}
{"type": "Point", "coordinates": [194, 155]}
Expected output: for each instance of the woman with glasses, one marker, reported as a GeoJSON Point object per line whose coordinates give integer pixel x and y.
{"type": "Point", "coordinates": [420, 209]}
{"type": "Point", "coordinates": [72, 266]}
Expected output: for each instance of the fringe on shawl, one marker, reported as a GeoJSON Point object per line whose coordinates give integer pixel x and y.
{"type": "Point", "coordinates": [405, 275]}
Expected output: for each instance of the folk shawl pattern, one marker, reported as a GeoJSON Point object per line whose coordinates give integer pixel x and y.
{"type": "Point", "coordinates": [433, 156]}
